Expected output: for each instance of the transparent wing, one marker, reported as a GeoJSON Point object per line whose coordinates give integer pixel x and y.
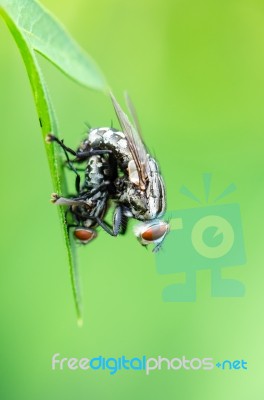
{"type": "Point", "coordinates": [135, 143]}
{"type": "Point", "coordinates": [133, 114]}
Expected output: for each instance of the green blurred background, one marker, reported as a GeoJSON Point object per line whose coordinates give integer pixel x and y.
{"type": "Point", "coordinates": [194, 70]}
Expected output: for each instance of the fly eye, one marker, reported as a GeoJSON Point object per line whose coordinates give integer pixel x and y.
{"type": "Point", "coordinates": [154, 232]}
{"type": "Point", "coordinates": [84, 235]}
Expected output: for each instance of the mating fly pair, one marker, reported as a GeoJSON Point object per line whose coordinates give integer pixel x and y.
{"type": "Point", "coordinates": [118, 169]}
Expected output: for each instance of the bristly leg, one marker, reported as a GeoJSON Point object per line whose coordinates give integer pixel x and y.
{"type": "Point", "coordinates": [124, 223]}
{"type": "Point", "coordinates": [79, 156]}
{"type": "Point", "coordinates": [66, 150]}
{"type": "Point", "coordinates": [71, 201]}
{"type": "Point", "coordinates": [117, 220]}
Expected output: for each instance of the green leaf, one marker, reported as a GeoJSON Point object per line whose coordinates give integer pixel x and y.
{"type": "Point", "coordinates": [34, 29]}
{"type": "Point", "coordinates": [45, 35]}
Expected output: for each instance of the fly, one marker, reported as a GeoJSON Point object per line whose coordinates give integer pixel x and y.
{"type": "Point", "coordinates": [91, 201]}
{"type": "Point", "coordinates": [139, 189]}
{"type": "Point", "coordinates": [119, 167]}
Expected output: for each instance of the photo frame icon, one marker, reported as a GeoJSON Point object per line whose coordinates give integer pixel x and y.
{"type": "Point", "coordinates": [203, 238]}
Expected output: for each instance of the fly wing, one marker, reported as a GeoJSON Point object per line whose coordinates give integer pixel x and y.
{"type": "Point", "coordinates": [135, 143]}
{"type": "Point", "coordinates": [133, 114]}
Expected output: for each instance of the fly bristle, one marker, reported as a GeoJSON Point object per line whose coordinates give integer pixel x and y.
{"type": "Point", "coordinates": [88, 125]}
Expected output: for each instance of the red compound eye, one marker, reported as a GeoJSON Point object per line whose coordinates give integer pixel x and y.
{"type": "Point", "coordinates": [155, 232]}
{"type": "Point", "coordinates": [85, 235]}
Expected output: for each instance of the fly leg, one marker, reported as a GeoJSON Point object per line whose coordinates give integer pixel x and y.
{"type": "Point", "coordinates": [117, 221]}
{"type": "Point", "coordinates": [69, 164]}
{"type": "Point", "coordinates": [76, 201]}
{"type": "Point", "coordinates": [66, 150]}
{"type": "Point", "coordinates": [79, 156]}
{"type": "Point", "coordinates": [123, 226]}
{"type": "Point", "coordinates": [118, 217]}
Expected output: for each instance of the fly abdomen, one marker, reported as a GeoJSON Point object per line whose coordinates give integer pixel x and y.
{"type": "Point", "coordinates": [95, 172]}
{"type": "Point", "coordinates": [111, 139]}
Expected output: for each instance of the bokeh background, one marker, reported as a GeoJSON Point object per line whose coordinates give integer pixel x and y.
{"type": "Point", "coordinates": [195, 72]}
